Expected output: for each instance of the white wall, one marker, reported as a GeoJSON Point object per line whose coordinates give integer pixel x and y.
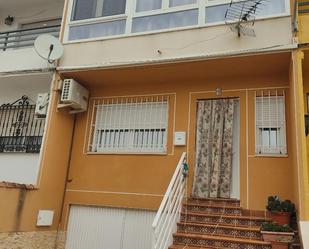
{"type": "Point", "coordinates": [270, 33]}
{"type": "Point", "coordinates": [21, 167]}
{"type": "Point", "coordinates": [25, 11]}
{"type": "Point", "coordinates": [304, 231]}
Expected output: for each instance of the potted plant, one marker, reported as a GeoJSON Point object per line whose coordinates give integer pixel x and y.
{"type": "Point", "coordinates": [279, 235]}
{"type": "Point", "coordinates": [280, 210]}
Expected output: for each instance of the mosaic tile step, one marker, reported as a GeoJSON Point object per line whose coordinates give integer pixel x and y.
{"type": "Point", "coordinates": [218, 242]}
{"type": "Point", "coordinates": [206, 208]}
{"type": "Point", "coordinates": [219, 230]}
{"type": "Point", "coordinates": [213, 201]}
{"type": "Point", "coordinates": [194, 217]}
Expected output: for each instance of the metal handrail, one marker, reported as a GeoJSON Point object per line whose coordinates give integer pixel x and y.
{"type": "Point", "coordinates": [165, 221]}
{"type": "Point", "coordinates": [25, 37]}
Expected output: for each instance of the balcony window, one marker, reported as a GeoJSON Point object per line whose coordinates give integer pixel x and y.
{"type": "Point", "coordinates": [86, 9]}
{"type": "Point", "coordinates": [108, 18]}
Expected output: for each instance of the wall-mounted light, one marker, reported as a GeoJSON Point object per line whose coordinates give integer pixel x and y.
{"type": "Point", "coordinates": [218, 91]}
{"type": "Point", "coordinates": [9, 20]}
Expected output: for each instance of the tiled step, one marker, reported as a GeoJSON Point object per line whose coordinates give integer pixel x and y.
{"type": "Point", "coordinates": [219, 230]}
{"type": "Point", "coordinates": [230, 220]}
{"type": "Point", "coordinates": [218, 242]}
{"type": "Point", "coordinates": [214, 201]}
{"type": "Point", "coordinates": [206, 208]}
{"type": "Point", "coordinates": [189, 247]}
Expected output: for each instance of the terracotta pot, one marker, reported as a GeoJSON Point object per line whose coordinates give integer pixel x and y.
{"type": "Point", "coordinates": [279, 245]}
{"type": "Point", "coordinates": [277, 237]}
{"type": "Point", "coordinates": [282, 218]}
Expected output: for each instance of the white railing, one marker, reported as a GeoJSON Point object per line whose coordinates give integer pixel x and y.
{"type": "Point", "coordinates": [165, 222]}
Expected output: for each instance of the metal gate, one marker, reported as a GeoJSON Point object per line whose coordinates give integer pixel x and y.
{"type": "Point", "coordinates": [20, 130]}
{"type": "Point", "coordinates": [109, 228]}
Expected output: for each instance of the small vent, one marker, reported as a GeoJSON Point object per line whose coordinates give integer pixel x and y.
{"type": "Point", "coordinates": [66, 90]}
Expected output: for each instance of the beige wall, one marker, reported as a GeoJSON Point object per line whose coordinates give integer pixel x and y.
{"type": "Point", "coordinates": [271, 34]}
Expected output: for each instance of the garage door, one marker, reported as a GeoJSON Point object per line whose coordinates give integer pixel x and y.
{"type": "Point", "coordinates": [109, 228]}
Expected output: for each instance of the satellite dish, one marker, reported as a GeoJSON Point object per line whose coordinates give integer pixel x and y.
{"type": "Point", "coordinates": [48, 47]}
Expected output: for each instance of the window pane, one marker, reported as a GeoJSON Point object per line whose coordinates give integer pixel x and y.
{"type": "Point", "coordinates": [145, 5]}
{"type": "Point", "coordinates": [165, 21]}
{"type": "Point", "coordinates": [97, 30]}
{"type": "Point", "coordinates": [181, 2]}
{"type": "Point", "coordinates": [273, 137]}
{"type": "Point", "coordinates": [272, 7]}
{"type": "Point", "coordinates": [216, 13]}
{"type": "Point", "coordinates": [265, 137]}
{"type": "Point", "coordinates": [84, 9]}
{"type": "Point", "coordinates": [114, 7]}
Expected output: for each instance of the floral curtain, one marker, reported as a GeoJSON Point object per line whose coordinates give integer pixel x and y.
{"type": "Point", "coordinates": [213, 169]}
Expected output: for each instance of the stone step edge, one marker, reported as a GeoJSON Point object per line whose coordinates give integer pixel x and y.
{"type": "Point", "coordinates": [243, 228]}
{"type": "Point", "coordinates": [193, 247]}
{"type": "Point", "coordinates": [241, 217]}
{"type": "Point", "coordinates": [220, 238]}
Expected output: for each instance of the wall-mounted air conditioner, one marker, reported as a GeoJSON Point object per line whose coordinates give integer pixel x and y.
{"type": "Point", "coordinates": [42, 105]}
{"type": "Point", "coordinates": [73, 96]}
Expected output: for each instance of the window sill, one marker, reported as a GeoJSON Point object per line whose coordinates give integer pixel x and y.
{"type": "Point", "coordinates": [12, 185]}
{"type": "Point", "coordinates": [129, 153]}
{"type": "Point", "coordinates": [271, 155]}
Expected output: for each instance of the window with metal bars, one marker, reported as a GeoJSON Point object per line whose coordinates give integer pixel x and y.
{"type": "Point", "coordinates": [20, 130]}
{"type": "Point", "coordinates": [270, 123]}
{"type": "Point", "coordinates": [129, 125]}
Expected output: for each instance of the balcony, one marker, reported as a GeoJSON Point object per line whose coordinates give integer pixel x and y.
{"type": "Point", "coordinates": [21, 22]}
{"type": "Point", "coordinates": [23, 38]}
{"type": "Point", "coordinates": [303, 20]}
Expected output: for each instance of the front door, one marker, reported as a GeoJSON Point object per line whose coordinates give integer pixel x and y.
{"type": "Point", "coordinates": [217, 149]}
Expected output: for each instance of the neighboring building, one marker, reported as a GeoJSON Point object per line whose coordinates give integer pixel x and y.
{"type": "Point", "coordinates": [29, 180]}
{"type": "Point", "coordinates": [302, 77]}
{"type": "Point", "coordinates": [155, 70]}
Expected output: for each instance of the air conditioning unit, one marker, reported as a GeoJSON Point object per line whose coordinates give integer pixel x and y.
{"type": "Point", "coordinates": [42, 105]}
{"type": "Point", "coordinates": [74, 96]}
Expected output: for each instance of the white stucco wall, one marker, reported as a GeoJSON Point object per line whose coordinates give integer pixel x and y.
{"type": "Point", "coordinates": [271, 34]}
{"type": "Point", "coordinates": [21, 167]}
{"type": "Point", "coordinates": [26, 11]}
{"type": "Point", "coordinates": [304, 230]}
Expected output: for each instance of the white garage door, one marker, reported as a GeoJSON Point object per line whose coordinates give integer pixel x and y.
{"type": "Point", "coordinates": [109, 228]}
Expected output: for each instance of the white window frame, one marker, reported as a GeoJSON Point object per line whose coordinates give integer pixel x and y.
{"type": "Point", "coordinates": [131, 13]}
{"type": "Point", "coordinates": [126, 131]}
{"type": "Point", "coordinates": [279, 124]}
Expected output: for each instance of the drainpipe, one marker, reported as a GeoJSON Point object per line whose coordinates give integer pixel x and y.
{"type": "Point", "coordinates": [295, 17]}
{"type": "Point", "coordinates": [66, 181]}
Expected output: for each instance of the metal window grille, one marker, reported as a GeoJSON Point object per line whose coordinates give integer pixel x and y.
{"type": "Point", "coordinates": [129, 125]}
{"type": "Point", "coordinates": [20, 130]}
{"type": "Point", "coordinates": [270, 122]}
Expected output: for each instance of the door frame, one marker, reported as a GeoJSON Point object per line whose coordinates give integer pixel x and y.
{"type": "Point", "coordinates": [243, 150]}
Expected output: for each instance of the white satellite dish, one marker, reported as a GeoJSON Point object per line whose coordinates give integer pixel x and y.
{"type": "Point", "coordinates": [48, 47]}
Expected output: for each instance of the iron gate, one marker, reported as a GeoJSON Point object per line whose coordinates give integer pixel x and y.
{"type": "Point", "coordinates": [20, 130]}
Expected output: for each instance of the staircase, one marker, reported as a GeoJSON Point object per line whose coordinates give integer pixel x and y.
{"type": "Point", "coordinates": [217, 224]}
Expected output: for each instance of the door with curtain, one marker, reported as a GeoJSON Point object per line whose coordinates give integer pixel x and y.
{"type": "Point", "coordinates": [217, 149]}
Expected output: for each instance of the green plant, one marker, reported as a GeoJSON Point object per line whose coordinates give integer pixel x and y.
{"type": "Point", "coordinates": [276, 205]}
{"type": "Point", "coordinates": [275, 227]}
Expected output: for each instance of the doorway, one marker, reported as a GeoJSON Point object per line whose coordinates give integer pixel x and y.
{"type": "Point", "coordinates": [216, 172]}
